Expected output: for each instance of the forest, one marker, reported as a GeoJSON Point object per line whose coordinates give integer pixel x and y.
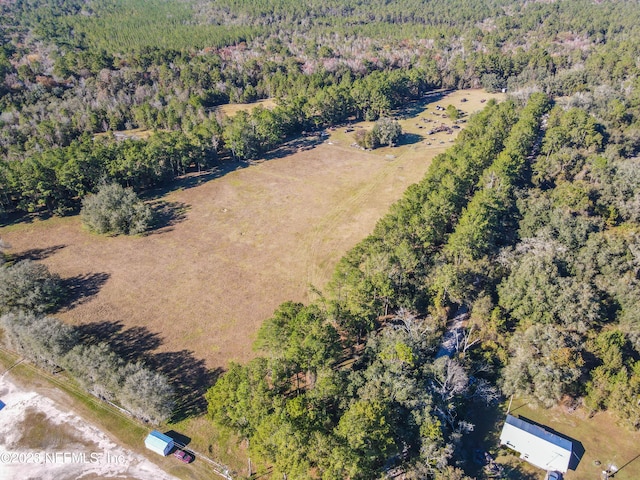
{"type": "Point", "coordinates": [529, 224]}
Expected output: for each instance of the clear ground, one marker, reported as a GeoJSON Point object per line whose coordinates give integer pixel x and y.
{"type": "Point", "coordinates": [231, 109]}
{"type": "Point", "coordinates": [135, 133]}
{"type": "Point", "coordinates": [236, 243]}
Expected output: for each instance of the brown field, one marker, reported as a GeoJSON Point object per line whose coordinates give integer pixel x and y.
{"type": "Point", "coordinates": [235, 242]}
{"type": "Point", "coordinates": [134, 133]}
{"type": "Point", "coordinates": [231, 109]}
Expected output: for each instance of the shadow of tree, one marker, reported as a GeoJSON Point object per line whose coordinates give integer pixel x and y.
{"type": "Point", "coordinates": [416, 107]}
{"type": "Point", "coordinates": [410, 139]}
{"type": "Point", "coordinates": [130, 344]}
{"type": "Point", "coordinates": [194, 179]}
{"type": "Point", "coordinates": [295, 145]}
{"type": "Point", "coordinates": [179, 438]}
{"type": "Point", "coordinates": [81, 288]}
{"type": "Point", "coordinates": [15, 218]}
{"type": "Point", "coordinates": [37, 253]}
{"type": "Point", "coordinates": [166, 215]}
{"type": "Point", "coordinates": [485, 437]}
{"type": "Point", "coordinates": [188, 375]}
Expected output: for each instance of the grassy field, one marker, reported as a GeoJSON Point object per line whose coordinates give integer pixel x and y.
{"type": "Point", "coordinates": [230, 109]}
{"type": "Point", "coordinates": [235, 243]}
{"type": "Point", "coordinates": [135, 134]}
{"type": "Point", "coordinates": [232, 245]}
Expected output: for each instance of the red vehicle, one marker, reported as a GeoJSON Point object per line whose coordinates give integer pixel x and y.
{"type": "Point", "coordinates": [186, 457]}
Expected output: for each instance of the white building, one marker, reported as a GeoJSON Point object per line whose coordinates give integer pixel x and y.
{"type": "Point", "coordinates": [159, 442]}
{"type": "Point", "coordinates": [536, 445]}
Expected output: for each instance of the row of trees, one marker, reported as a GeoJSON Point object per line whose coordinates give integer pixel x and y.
{"type": "Point", "coordinates": [27, 292]}
{"type": "Point", "coordinates": [57, 178]}
{"type": "Point", "coordinates": [544, 258]}
{"type": "Point", "coordinates": [51, 344]}
{"type": "Point", "coordinates": [309, 404]}
{"type": "Point", "coordinates": [387, 270]}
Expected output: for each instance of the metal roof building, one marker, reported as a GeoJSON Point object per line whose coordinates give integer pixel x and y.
{"type": "Point", "coordinates": [537, 446]}
{"type": "Point", "coordinates": [159, 443]}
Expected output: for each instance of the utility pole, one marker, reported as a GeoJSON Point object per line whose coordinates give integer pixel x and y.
{"type": "Point", "coordinates": [250, 469]}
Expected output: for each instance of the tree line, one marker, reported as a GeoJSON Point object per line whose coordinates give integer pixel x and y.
{"type": "Point", "coordinates": [57, 177]}
{"type": "Point", "coordinates": [349, 385]}
{"type": "Point", "coordinates": [60, 78]}
{"type": "Point", "coordinates": [28, 292]}
{"type": "Point", "coordinates": [521, 223]}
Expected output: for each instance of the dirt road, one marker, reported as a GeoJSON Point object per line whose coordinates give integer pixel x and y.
{"type": "Point", "coordinates": [39, 439]}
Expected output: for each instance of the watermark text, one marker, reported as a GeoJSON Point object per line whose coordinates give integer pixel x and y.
{"type": "Point", "coordinates": [61, 458]}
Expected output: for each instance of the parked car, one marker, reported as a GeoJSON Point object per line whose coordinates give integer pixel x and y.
{"type": "Point", "coordinates": [553, 476]}
{"type": "Point", "coordinates": [186, 457]}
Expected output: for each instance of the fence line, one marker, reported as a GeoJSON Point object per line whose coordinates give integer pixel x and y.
{"type": "Point", "coordinates": [219, 468]}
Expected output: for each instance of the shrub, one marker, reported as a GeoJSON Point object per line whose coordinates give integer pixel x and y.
{"type": "Point", "coordinates": [367, 139]}
{"type": "Point", "coordinates": [27, 285]}
{"type": "Point", "coordinates": [115, 210]}
{"type": "Point", "coordinates": [43, 340]}
{"type": "Point", "coordinates": [453, 112]}
{"type": "Point", "coordinates": [387, 131]}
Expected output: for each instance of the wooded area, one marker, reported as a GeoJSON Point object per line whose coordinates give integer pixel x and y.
{"type": "Point", "coordinates": [530, 222]}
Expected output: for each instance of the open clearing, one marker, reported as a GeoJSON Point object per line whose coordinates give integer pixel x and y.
{"type": "Point", "coordinates": [237, 242]}
{"type": "Point", "coordinates": [230, 109]}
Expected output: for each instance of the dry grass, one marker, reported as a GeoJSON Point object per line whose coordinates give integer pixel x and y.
{"type": "Point", "coordinates": [231, 109]}
{"type": "Point", "coordinates": [38, 432]}
{"type": "Point", "coordinates": [418, 119]}
{"type": "Point", "coordinates": [249, 240]}
{"type": "Point", "coordinates": [135, 133]}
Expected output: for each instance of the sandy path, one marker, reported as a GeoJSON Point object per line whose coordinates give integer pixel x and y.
{"type": "Point", "coordinates": [39, 440]}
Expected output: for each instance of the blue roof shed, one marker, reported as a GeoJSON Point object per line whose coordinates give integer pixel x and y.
{"type": "Point", "coordinates": [159, 442]}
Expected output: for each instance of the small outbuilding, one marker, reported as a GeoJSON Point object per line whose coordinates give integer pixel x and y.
{"type": "Point", "coordinates": [159, 442]}
{"type": "Point", "coordinates": [536, 445]}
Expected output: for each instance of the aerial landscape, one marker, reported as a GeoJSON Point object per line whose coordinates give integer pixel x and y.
{"type": "Point", "coordinates": [320, 240]}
